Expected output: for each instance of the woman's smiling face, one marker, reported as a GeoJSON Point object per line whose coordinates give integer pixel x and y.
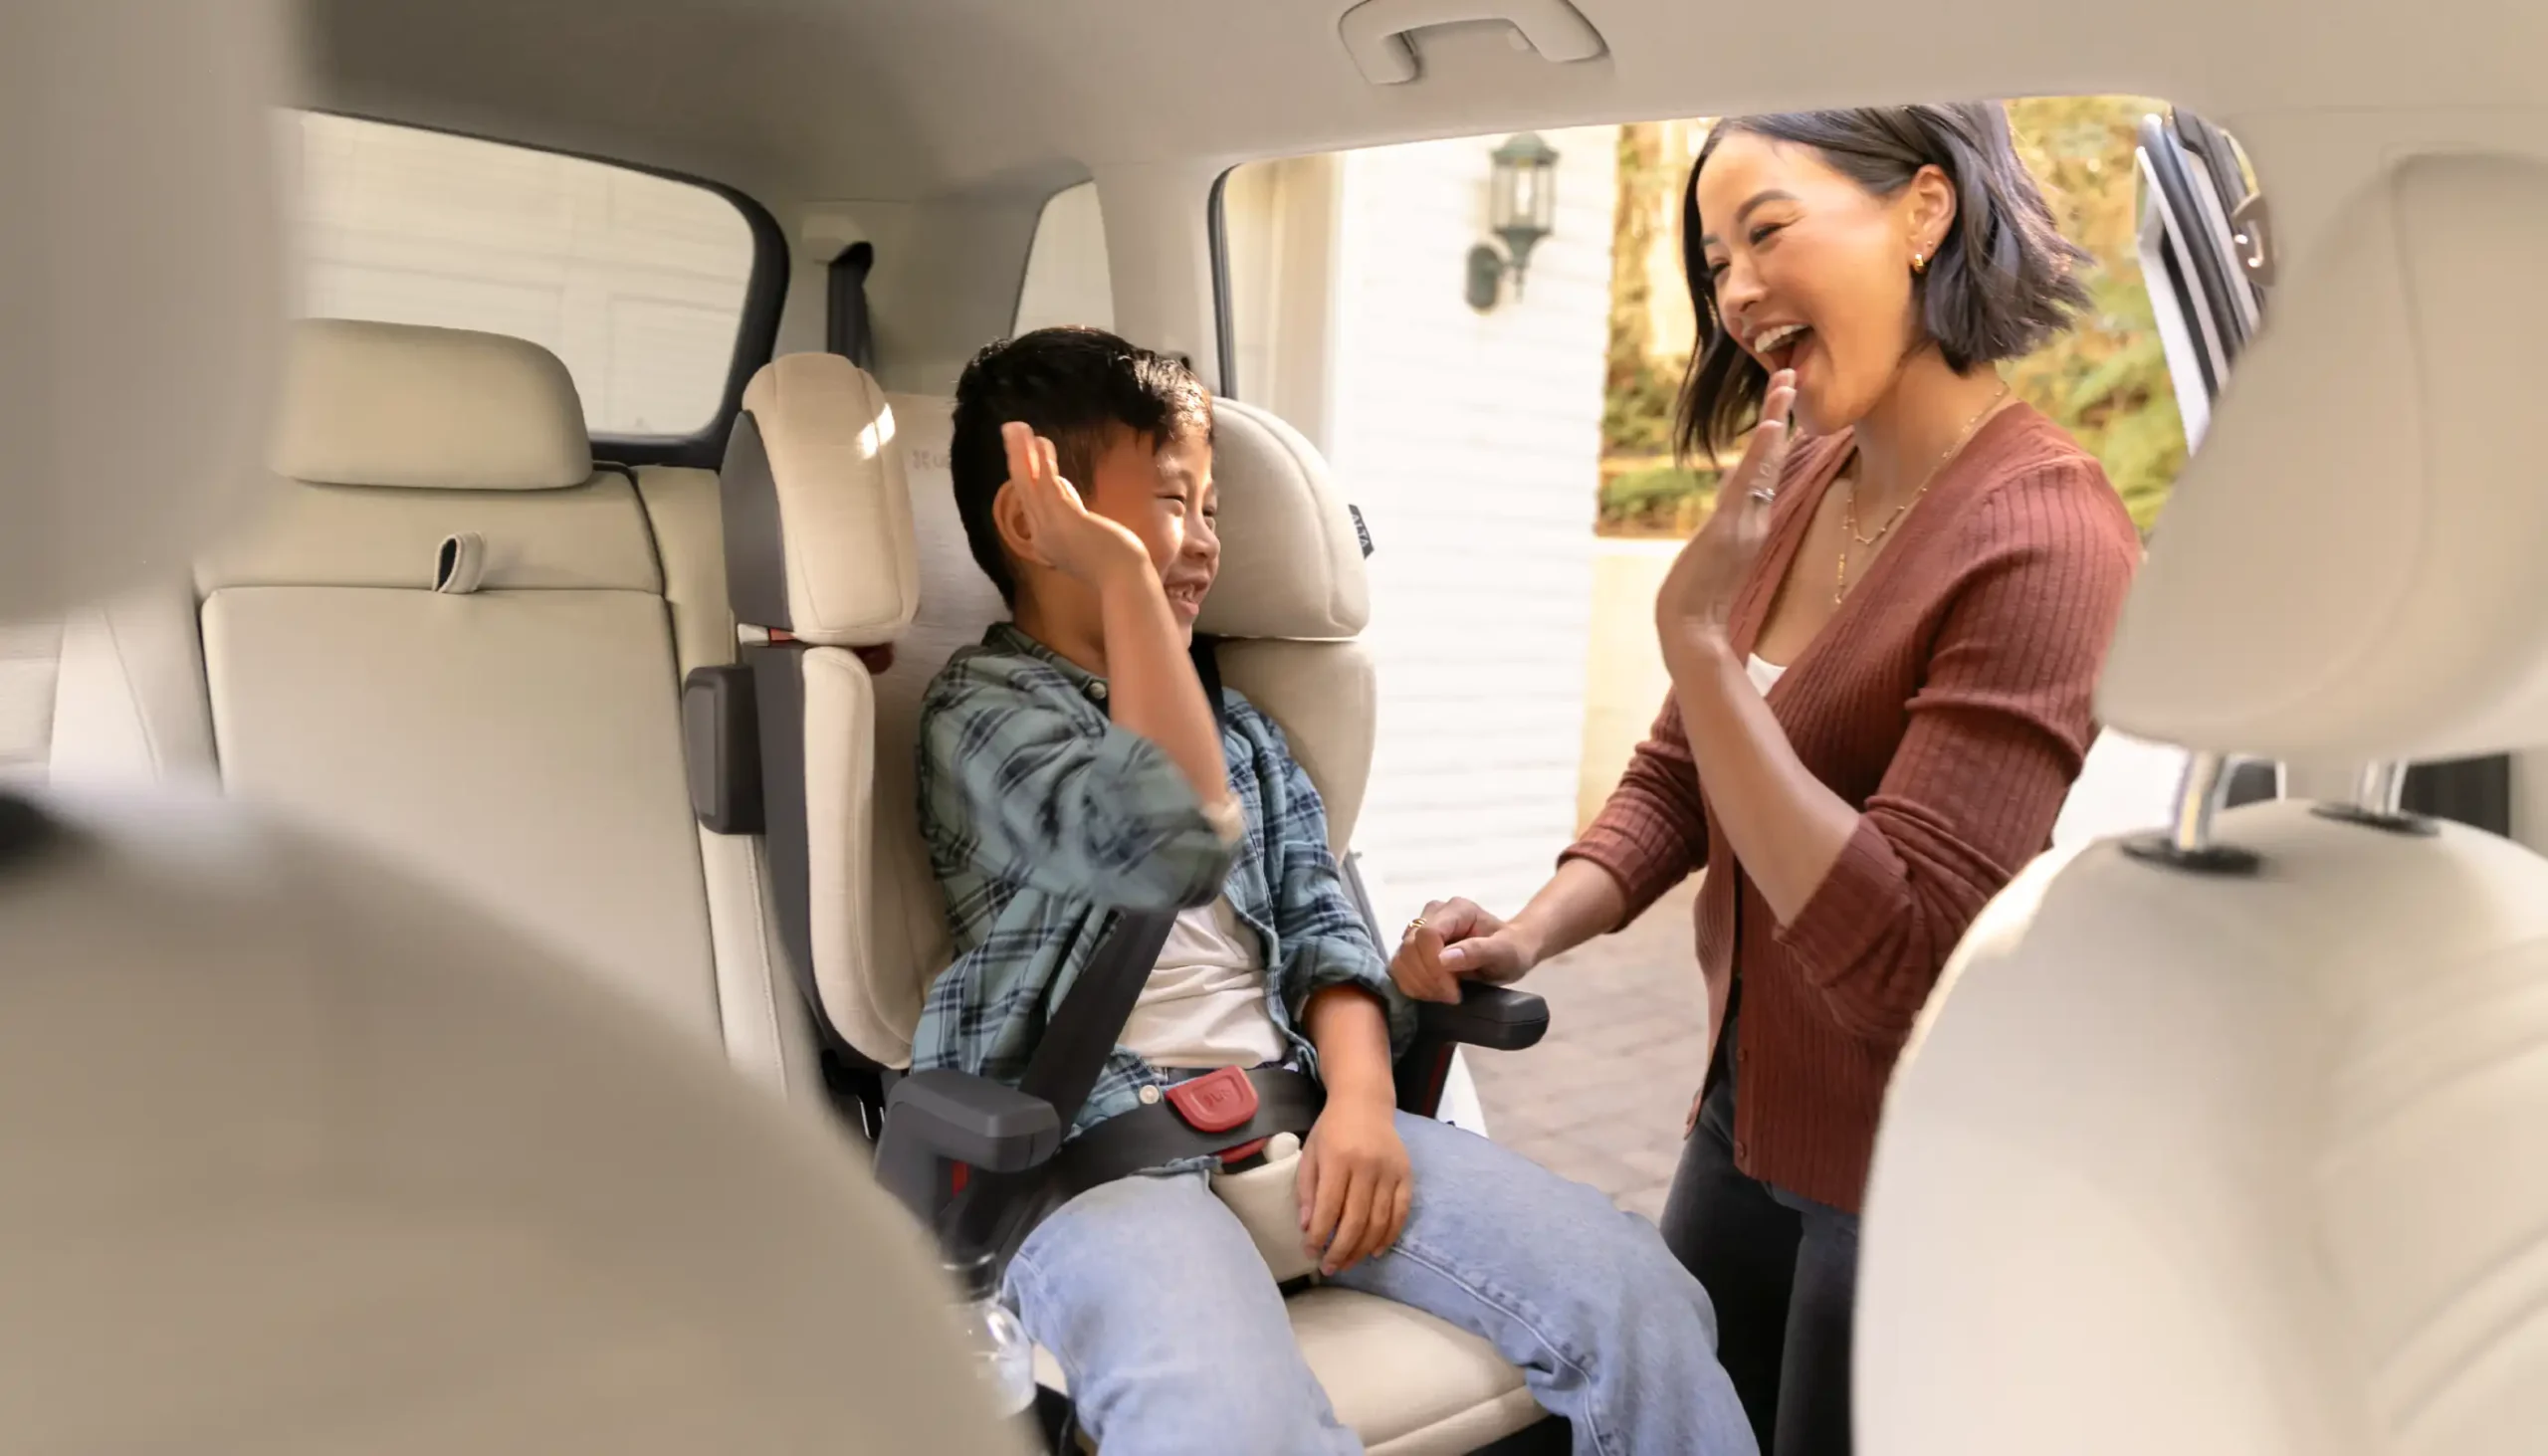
{"type": "Point", "coordinates": [1812, 271]}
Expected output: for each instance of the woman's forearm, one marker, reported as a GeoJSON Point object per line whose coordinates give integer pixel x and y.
{"type": "Point", "coordinates": [1785, 827]}
{"type": "Point", "coordinates": [1581, 901]}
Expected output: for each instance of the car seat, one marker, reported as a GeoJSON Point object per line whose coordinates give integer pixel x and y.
{"type": "Point", "coordinates": [2228, 1140]}
{"type": "Point", "coordinates": [808, 525]}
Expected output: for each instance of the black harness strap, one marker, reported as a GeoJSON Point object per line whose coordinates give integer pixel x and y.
{"type": "Point", "coordinates": [848, 331]}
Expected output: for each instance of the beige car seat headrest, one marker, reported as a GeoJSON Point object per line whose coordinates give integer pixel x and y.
{"type": "Point", "coordinates": [141, 276]}
{"type": "Point", "coordinates": [397, 404]}
{"type": "Point", "coordinates": [1291, 551]}
{"type": "Point", "coordinates": [2352, 566]}
{"type": "Point", "coordinates": [817, 511]}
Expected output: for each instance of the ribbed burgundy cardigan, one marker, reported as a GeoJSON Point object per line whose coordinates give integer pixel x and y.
{"type": "Point", "coordinates": [1949, 701]}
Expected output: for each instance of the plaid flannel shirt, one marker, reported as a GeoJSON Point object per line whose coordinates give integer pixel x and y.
{"type": "Point", "coordinates": [1040, 814]}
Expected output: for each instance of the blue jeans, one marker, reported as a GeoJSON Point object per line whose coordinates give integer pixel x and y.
{"type": "Point", "coordinates": [1174, 1340]}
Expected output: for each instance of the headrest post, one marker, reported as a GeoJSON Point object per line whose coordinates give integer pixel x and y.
{"type": "Point", "coordinates": [2200, 791]}
{"type": "Point", "coordinates": [2380, 801]}
{"type": "Point", "coordinates": [2382, 789]}
{"type": "Point", "coordinates": [2187, 845]}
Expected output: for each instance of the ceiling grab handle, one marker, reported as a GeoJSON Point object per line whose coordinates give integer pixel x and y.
{"type": "Point", "coordinates": [1378, 34]}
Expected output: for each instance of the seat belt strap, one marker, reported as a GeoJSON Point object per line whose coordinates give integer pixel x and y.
{"type": "Point", "coordinates": [847, 328]}
{"type": "Point", "coordinates": [1207, 669]}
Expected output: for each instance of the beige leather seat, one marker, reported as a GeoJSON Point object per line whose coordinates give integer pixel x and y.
{"type": "Point", "coordinates": [2252, 1163]}
{"type": "Point", "coordinates": [1291, 600]}
{"type": "Point", "coordinates": [454, 638]}
{"type": "Point", "coordinates": [304, 1155]}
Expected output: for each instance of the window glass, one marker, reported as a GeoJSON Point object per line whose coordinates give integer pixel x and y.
{"type": "Point", "coordinates": [637, 281]}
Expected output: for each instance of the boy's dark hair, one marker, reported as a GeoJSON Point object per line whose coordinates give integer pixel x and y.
{"type": "Point", "coordinates": [2004, 278]}
{"type": "Point", "coordinates": [1074, 387]}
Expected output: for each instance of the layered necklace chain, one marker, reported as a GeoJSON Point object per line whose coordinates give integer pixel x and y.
{"type": "Point", "coordinates": [1849, 501]}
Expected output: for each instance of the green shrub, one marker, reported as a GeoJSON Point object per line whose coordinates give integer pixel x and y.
{"type": "Point", "coordinates": [1656, 500]}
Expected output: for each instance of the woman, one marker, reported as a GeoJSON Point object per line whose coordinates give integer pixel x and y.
{"type": "Point", "coordinates": [1883, 646]}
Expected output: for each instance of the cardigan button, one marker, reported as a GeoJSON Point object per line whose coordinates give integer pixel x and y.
{"type": "Point", "coordinates": [1742, 1149]}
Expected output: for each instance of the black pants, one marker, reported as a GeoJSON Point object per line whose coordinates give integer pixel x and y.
{"type": "Point", "coordinates": [1782, 1270]}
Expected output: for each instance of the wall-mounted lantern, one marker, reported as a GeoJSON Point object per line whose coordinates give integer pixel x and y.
{"type": "Point", "coordinates": [1521, 209]}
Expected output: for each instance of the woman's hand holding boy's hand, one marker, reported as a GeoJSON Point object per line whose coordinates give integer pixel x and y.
{"type": "Point", "coordinates": [1455, 940]}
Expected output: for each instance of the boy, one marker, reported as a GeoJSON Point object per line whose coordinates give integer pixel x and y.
{"type": "Point", "coordinates": [1071, 762]}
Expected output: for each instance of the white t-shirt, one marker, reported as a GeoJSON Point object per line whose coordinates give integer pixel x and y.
{"type": "Point", "coordinates": [1762, 674]}
{"type": "Point", "coordinates": [1205, 1004]}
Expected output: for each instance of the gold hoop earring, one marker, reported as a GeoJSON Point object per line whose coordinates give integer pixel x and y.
{"type": "Point", "coordinates": [1919, 265]}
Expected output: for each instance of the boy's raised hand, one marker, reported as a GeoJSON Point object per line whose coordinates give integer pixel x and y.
{"type": "Point", "coordinates": [1052, 524]}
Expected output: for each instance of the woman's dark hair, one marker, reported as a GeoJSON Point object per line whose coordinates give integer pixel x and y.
{"type": "Point", "coordinates": [2001, 282]}
{"type": "Point", "coordinates": [1073, 386]}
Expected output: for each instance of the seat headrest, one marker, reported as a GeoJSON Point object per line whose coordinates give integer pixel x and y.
{"type": "Point", "coordinates": [1291, 556]}
{"type": "Point", "coordinates": [136, 369]}
{"type": "Point", "coordinates": [2351, 568]}
{"type": "Point", "coordinates": [450, 409]}
{"type": "Point", "coordinates": [818, 514]}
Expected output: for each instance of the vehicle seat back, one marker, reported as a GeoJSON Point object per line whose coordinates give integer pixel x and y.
{"type": "Point", "coordinates": [305, 1154]}
{"type": "Point", "coordinates": [820, 568]}
{"type": "Point", "coordinates": [449, 639]}
{"type": "Point", "coordinates": [1289, 603]}
{"type": "Point", "coordinates": [2245, 1160]}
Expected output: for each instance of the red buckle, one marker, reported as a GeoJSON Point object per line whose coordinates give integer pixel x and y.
{"type": "Point", "coordinates": [1214, 1102]}
{"type": "Point", "coordinates": [1231, 1158]}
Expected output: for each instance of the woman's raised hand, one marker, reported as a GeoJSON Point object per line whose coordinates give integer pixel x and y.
{"type": "Point", "coordinates": [1697, 597]}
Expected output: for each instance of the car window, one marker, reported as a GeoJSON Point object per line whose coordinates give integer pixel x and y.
{"type": "Point", "coordinates": [636, 280]}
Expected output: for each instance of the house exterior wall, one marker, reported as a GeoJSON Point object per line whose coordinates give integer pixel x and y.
{"type": "Point", "coordinates": [1472, 443]}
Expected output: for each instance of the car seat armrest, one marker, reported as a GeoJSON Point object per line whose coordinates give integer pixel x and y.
{"type": "Point", "coordinates": [1497, 1017]}
{"type": "Point", "coordinates": [939, 1118]}
{"type": "Point", "coordinates": [974, 1120]}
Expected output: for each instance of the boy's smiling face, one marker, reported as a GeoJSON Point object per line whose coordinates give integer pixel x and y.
{"type": "Point", "coordinates": [1165, 496]}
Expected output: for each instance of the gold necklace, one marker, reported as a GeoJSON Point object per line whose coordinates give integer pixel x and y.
{"type": "Point", "coordinates": [1849, 501]}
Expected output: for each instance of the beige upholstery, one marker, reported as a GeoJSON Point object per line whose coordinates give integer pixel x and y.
{"type": "Point", "coordinates": [2404, 624]}
{"type": "Point", "coordinates": [2219, 1164]}
{"type": "Point", "coordinates": [518, 741]}
{"type": "Point", "coordinates": [766, 1024]}
{"type": "Point", "coordinates": [130, 703]}
{"type": "Point", "coordinates": [142, 300]}
{"type": "Point", "coordinates": [344, 1167]}
{"type": "Point", "coordinates": [449, 409]}
{"type": "Point", "coordinates": [845, 513]}
{"type": "Point", "coordinates": [1300, 574]}
{"type": "Point", "coordinates": [1410, 1383]}
{"type": "Point", "coordinates": [30, 654]}
{"type": "Point", "coordinates": [842, 541]}
{"type": "Point", "coordinates": [303, 1156]}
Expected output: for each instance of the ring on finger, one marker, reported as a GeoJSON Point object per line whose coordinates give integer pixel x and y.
{"type": "Point", "coordinates": [1764, 495]}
